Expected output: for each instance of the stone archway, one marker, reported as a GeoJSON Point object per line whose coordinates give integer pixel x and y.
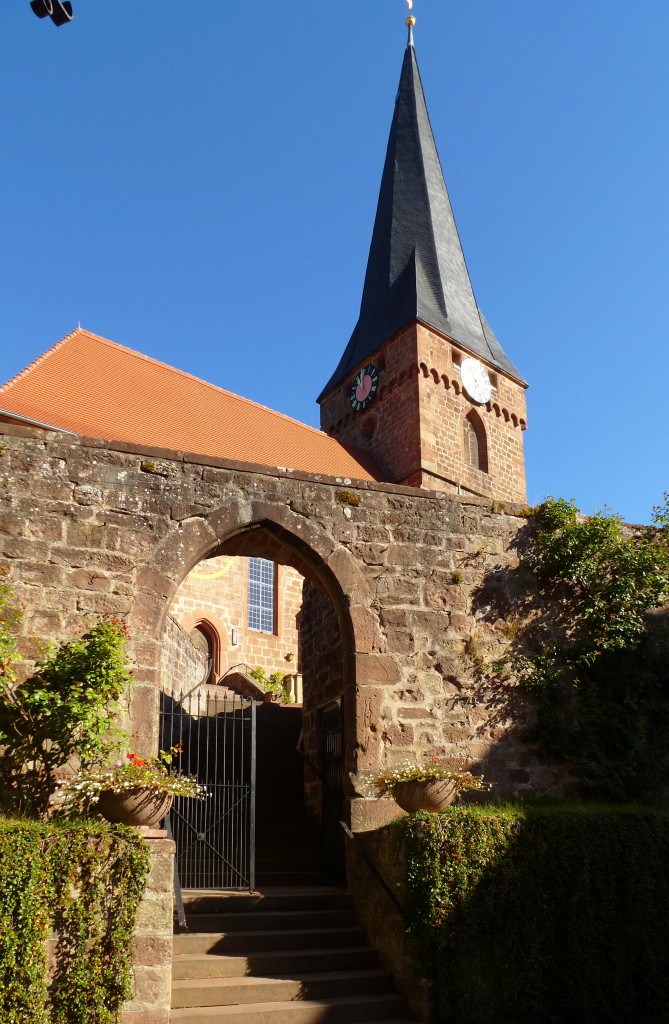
{"type": "Point", "coordinates": [272, 531]}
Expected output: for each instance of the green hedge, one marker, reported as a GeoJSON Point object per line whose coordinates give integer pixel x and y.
{"type": "Point", "coordinates": [541, 915]}
{"type": "Point", "coordinates": [80, 883]}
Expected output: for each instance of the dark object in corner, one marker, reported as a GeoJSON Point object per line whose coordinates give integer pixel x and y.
{"type": "Point", "coordinates": [60, 11]}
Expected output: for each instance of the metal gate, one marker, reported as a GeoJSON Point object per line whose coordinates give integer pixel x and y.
{"type": "Point", "coordinates": [215, 731]}
{"type": "Point", "coordinates": [331, 765]}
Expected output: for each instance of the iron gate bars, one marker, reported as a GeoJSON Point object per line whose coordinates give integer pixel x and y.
{"type": "Point", "coordinates": [215, 730]}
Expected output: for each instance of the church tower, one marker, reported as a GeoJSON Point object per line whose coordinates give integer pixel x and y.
{"type": "Point", "coordinates": [423, 383]}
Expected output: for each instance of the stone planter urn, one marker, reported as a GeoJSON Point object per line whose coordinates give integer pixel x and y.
{"type": "Point", "coordinates": [134, 806]}
{"type": "Point", "coordinates": [424, 794]}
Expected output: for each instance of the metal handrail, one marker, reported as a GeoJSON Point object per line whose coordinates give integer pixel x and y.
{"type": "Point", "coordinates": [235, 668]}
{"type": "Point", "coordinates": [178, 895]}
{"type": "Point", "coordinates": [373, 868]}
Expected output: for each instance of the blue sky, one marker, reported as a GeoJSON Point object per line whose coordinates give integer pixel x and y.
{"type": "Point", "coordinates": [198, 181]}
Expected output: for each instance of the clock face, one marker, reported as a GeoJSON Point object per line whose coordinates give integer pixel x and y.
{"type": "Point", "coordinates": [363, 388]}
{"type": "Point", "coordinates": [476, 380]}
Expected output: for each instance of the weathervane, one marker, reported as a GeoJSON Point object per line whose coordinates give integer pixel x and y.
{"type": "Point", "coordinates": [410, 22]}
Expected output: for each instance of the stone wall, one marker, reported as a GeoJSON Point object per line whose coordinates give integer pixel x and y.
{"type": "Point", "coordinates": [376, 873]}
{"type": "Point", "coordinates": [323, 678]}
{"type": "Point", "coordinates": [182, 665]}
{"type": "Point", "coordinates": [424, 585]}
{"type": "Point", "coordinates": [152, 973]}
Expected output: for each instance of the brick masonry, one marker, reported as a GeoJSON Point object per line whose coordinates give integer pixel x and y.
{"type": "Point", "coordinates": [216, 592]}
{"type": "Point", "coordinates": [322, 665]}
{"type": "Point", "coordinates": [422, 584]}
{"type": "Point", "coordinates": [415, 425]}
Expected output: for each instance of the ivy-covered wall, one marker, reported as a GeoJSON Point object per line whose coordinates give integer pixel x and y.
{"type": "Point", "coordinates": [68, 899]}
{"type": "Point", "coordinates": [553, 914]}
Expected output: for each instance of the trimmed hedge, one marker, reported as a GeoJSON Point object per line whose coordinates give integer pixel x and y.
{"type": "Point", "coordinates": [553, 914]}
{"type": "Point", "coordinates": [82, 883]}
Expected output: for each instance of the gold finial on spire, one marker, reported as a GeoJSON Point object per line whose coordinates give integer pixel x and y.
{"type": "Point", "coordinates": [410, 22]}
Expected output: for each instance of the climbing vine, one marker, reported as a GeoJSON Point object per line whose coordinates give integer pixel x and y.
{"type": "Point", "coordinates": [590, 649]}
{"type": "Point", "coordinates": [11, 615]}
{"type": "Point", "coordinates": [82, 883]}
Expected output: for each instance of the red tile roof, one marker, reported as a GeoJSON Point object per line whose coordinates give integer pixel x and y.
{"type": "Point", "coordinates": [94, 387]}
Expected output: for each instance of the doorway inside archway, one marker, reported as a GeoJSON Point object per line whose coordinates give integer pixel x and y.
{"type": "Point", "coordinates": [254, 689]}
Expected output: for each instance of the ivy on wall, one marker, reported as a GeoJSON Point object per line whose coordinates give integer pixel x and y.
{"type": "Point", "coordinates": [81, 883]}
{"type": "Point", "coordinates": [590, 651]}
{"type": "Point", "coordinates": [541, 915]}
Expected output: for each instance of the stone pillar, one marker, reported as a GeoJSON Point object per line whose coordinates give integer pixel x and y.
{"type": "Point", "coordinates": [152, 975]}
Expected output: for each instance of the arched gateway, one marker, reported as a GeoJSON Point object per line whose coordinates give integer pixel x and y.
{"type": "Point", "coordinates": [223, 732]}
{"type": "Point", "coordinates": [265, 529]}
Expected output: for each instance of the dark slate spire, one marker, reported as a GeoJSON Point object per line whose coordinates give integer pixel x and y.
{"type": "Point", "coordinates": [416, 268]}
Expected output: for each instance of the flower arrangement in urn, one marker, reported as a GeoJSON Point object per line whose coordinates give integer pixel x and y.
{"type": "Point", "coordinates": [430, 787]}
{"type": "Point", "coordinates": [139, 787]}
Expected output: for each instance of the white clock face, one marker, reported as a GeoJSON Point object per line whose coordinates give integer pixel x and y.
{"type": "Point", "coordinates": [476, 380]}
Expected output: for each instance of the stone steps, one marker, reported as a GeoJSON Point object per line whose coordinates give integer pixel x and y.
{"type": "Point", "coordinates": [291, 953]}
{"type": "Point", "coordinates": [283, 956]}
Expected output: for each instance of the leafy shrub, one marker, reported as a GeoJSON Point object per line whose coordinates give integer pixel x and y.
{"type": "Point", "coordinates": [63, 716]}
{"type": "Point", "coordinates": [273, 684]}
{"type": "Point", "coordinates": [591, 653]}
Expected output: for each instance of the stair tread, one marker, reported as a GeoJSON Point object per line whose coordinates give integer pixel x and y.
{"type": "Point", "coordinates": [190, 966]}
{"type": "Point", "coordinates": [274, 931]}
{"type": "Point", "coordinates": [279, 953]}
{"type": "Point", "coordinates": [269, 890]}
{"type": "Point", "coordinates": [271, 920]}
{"type": "Point", "coordinates": [248, 943]}
{"type": "Point", "coordinates": [211, 1012]}
{"type": "Point", "coordinates": [281, 1006]}
{"type": "Point", "coordinates": [233, 917]}
{"type": "Point", "coordinates": [249, 981]}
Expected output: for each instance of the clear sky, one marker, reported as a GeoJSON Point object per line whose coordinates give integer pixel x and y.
{"type": "Point", "coordinates": [198, 180]}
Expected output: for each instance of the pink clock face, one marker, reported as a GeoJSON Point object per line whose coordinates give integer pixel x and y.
{"type": "Point", "coordinates": [364, 388]}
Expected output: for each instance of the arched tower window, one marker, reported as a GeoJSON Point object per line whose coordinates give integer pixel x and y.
{"type": "Point", "coordinates": [476, 444]}
{"type": "Point", "coordinates": [206, 641]}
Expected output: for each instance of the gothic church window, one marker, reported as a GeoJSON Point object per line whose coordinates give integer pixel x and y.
{"type": "Point", "coordinates": [261, 595]}
{"type": "Point", "coordinates": [476, 445]}
{"type": "Point", "coordinates": [206, 642]}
